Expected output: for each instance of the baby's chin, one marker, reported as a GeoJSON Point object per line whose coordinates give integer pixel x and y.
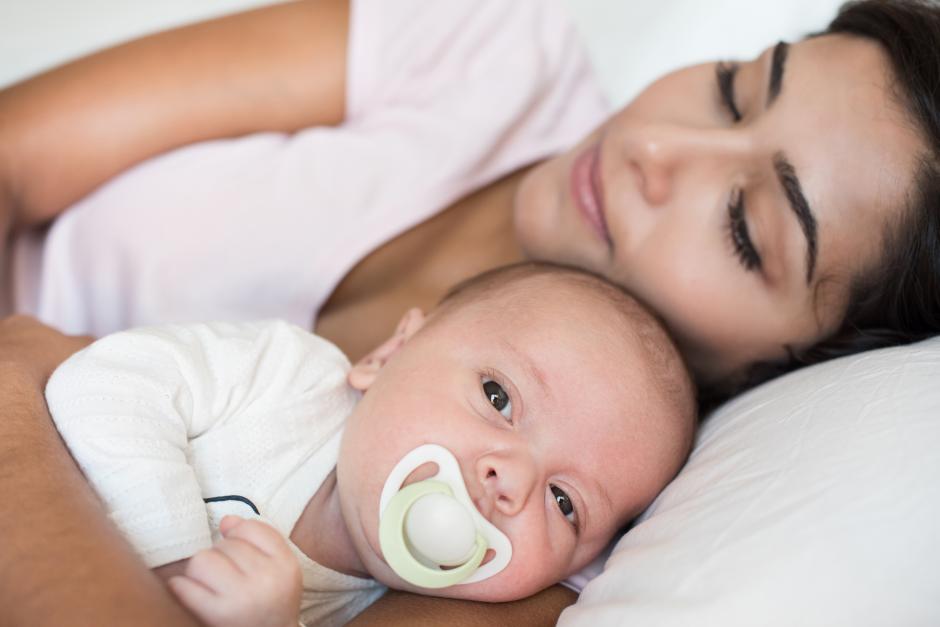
{"type": "Point", "coordinates": [505, 592]}
{"type": "Point", "coordinates": [490, 591]}
{"type": "Point", "coordinates": [504, 586]}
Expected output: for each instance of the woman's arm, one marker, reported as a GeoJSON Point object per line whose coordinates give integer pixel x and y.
{"type": "Point", "coordinates": [62, 562]}
{"type": "Point", "coordinates": [63, 133]}
{"type": "Point", "coordinates": [402, 608]}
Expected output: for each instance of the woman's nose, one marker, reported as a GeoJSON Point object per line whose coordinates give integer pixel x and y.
{"type": "Point", "coordinates": [658, 154]}
{"type": "Point", "coordinates": [508, 479]}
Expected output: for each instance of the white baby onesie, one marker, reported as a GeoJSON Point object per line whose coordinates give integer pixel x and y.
{"type": "Point", "coordinates": [245, 415]}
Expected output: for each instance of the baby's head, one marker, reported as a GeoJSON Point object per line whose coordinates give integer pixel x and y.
{"type": "Point", "coordinates": [564, 401]}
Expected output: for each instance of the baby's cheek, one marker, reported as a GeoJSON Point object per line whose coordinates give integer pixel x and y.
{"type": "Point", "coordinates": [521, 579]}
{"type": "Point", "coordinates": [502, 587]}
{"type": "Point", "coordinates": [541, 556]}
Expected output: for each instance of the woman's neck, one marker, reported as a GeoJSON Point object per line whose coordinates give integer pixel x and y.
{"type": "Point", "coordinates": [419, 266]}
{"type": "Point", "coordinates": [321, 532]}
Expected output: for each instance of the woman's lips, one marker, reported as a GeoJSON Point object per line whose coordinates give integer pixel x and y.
{"type": "Point", "coordinates": [587, 191]}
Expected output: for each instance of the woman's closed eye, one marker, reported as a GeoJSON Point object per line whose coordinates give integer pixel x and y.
{"type": "Point", "coordinates": [725, 73]}
{"type": "Point", "coordinates": [740, 235]}
{"type": "Point", "coordinates": [738, 232]}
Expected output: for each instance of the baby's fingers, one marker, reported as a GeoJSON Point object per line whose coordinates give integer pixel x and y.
{"type": "Point", "coordinates": [247, 558]}
{"type": "Point", "coordinates": [257, 533]}
{"type": "Point", "coordinates": [195, 597]}
{"type": "Point", "coordinates": [214, 570]}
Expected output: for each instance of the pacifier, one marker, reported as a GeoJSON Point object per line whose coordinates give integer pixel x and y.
{"type": "Point", "coordinates": [430, 532]}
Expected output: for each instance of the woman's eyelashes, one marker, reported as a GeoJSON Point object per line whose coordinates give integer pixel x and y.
{"type": "Point", "coordinates": [741, 242]}
{"type": "Point", "coordinates": [565, 504]}
{"type": "Point", "coordinates": [739, 234]}
{"type": "Point", "coordinates": [725, 73]}
{"type": "Point", "coordinates": [497, 396]}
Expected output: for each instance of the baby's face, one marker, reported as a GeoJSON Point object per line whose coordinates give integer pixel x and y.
{"type": "Point", "coordinates": [542, 396]}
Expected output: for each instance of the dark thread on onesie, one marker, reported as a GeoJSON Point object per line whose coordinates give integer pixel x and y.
{"type": "Point", "coordinates": [233, 497]}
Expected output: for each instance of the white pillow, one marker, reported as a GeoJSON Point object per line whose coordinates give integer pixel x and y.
{"type": "Point", "coordinates": [811, 500]}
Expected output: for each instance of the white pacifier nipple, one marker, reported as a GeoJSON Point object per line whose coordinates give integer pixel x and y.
{"type": "Point", "coordinates": [430, 532]}
{"type": "Point", "coordinates": [441, 529]}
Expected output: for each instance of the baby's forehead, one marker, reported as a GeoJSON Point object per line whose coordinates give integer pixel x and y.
{"type": "Point", "coordinates": [535, 301]}
{"type": "Point", "coordinates": [538, 303]}
{"type": "Point", "coordinates": [629, 342]}
{"type": "Point", "coordinates": [540, 287]}
{"type": "Point", "coordinates": [587, 300]}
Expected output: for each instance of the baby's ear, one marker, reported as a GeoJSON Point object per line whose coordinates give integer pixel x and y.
{"type": "Point", "coordinates": [364, 372]}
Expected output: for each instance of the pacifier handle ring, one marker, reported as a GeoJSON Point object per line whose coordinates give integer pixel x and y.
{"type": "Point", "coordinates": [394, 545]}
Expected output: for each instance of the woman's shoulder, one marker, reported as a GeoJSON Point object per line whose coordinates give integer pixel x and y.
{"type": "Point", "coordinates": [457, 94]}
{"type": "Point", "coordinates": [416, 50]}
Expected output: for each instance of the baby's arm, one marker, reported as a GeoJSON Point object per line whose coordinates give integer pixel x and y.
{"type": "Point", "coordinates": [131, 405]}
{"type": "Point", "coordinates": [250, 578]}
{"type": "Point", "coordinates": [127, 407]}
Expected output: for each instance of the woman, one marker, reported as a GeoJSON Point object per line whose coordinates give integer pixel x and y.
{"type": "Point", "coordinates": [773, 213]}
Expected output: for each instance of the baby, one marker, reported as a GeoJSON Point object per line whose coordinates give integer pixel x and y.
{"type": "Point", "coordinates": [558, 405]}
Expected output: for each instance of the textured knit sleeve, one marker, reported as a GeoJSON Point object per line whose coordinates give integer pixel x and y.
{"type": "Point", "coordinates": [131, 406]}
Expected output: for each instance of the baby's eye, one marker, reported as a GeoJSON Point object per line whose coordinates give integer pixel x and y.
{"type": "Point", "coordinates": [498, 397]}
{"type": "Point", "coordinates": [564, 503]}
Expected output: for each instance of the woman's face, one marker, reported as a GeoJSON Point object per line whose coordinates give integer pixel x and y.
{"type": "Point", "coordinates": [737, 201]}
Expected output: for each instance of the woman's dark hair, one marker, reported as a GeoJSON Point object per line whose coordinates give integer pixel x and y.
{"type": "Point", "coordinates": [898, 302]}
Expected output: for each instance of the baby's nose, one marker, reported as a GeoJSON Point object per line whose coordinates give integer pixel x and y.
{"type": "Point", "coordinates": [508, 480]}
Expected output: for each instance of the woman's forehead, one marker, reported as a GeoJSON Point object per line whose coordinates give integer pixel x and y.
{"type": "Point", "coordinates": [854, 148]}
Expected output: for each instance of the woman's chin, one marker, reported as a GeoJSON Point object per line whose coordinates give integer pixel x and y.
{"type": "Point", "coordinates": [536, 212]}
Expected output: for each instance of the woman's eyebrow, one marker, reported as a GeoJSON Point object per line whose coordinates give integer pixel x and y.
{"type": "Point", "coordinates": [778, 64]}
{"type": "Point", "coordinates": [785, 171]}
{"type": "Point", "coordinates": [792, 189]}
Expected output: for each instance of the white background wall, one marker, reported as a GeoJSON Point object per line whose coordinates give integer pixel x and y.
{"type": "Point", "coordinates": [632, 41]}
{"type": "Point", "coordinates": [37, 34]}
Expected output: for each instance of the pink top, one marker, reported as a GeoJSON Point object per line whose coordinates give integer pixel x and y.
{"type": "Point", "coordinates": [443, 97]}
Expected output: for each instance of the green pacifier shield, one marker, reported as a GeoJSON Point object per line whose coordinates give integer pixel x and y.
{"type": "Point", "coordinates": [395, 545]}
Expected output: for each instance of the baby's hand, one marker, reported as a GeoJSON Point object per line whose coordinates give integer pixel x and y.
{"type": "Point", "coordinates": [250, 578]}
